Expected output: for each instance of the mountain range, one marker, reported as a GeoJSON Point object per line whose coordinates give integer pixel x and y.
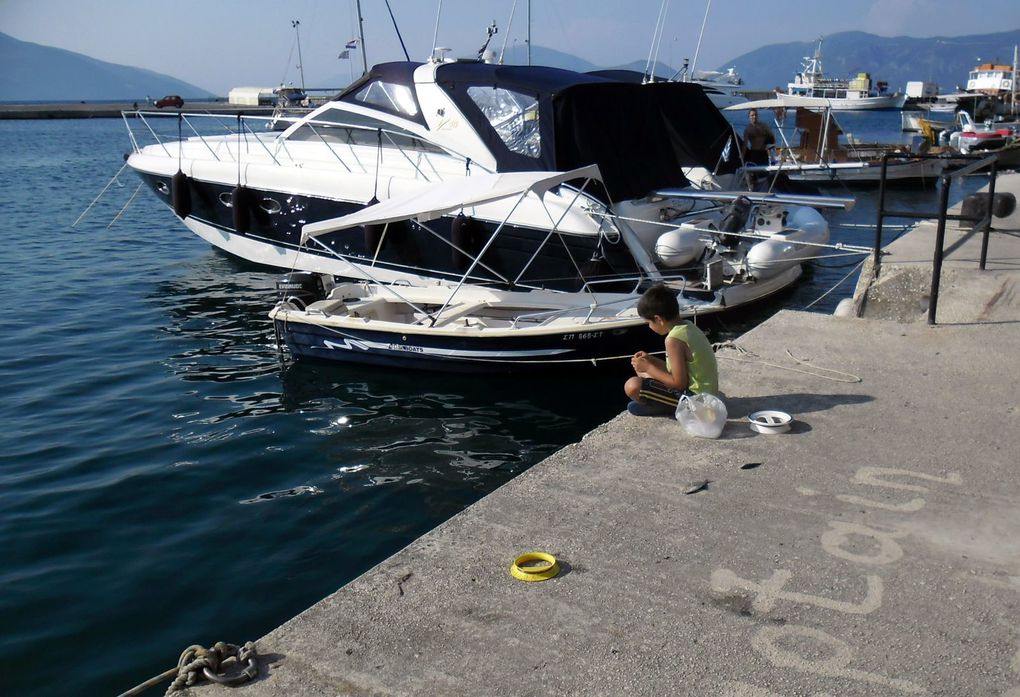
{"type": "Point", "coordinates": [45, 73]}
{"type": "Point", "coordinates": [36, 73]}
{"type": "Point", "coordinates": [896, 60]}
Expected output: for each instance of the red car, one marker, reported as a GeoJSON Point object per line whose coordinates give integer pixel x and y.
{"type": "Point", "coordinates": [170, 100]}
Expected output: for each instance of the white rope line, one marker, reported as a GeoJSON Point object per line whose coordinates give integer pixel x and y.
{"type": "Point", "coordinates": [100, 195]}
{"type": "Point", "coordinates": [838, 284]}
{"type": "Point", "coordinates": [117, 217]}
{"type": "Point", "coordinates": [858, 249]}
{"type": "Point", "coordinates": [846, 377]}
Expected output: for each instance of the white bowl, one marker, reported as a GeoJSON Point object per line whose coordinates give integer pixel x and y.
{"type": "Point", "coordinates": [770, 421]}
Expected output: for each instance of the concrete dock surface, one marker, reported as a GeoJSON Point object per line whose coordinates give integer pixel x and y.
{"type": "Point", "coordinates": [872, 550]}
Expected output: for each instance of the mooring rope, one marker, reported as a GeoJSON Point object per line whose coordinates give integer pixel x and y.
{"type": "Point", "coordinates": [108, 185]}
{"type": "Point", "coordinates": [122, 210]}
{"type": "Point", "coordinates": [838, 284]}
{"type": "Point", "coordinates": [755, 358]}
{"type": "Point", "coordinates": [198, 662]}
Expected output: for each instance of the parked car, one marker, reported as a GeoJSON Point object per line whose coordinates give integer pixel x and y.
{"type": "Point", "coordinates": [170, 100]}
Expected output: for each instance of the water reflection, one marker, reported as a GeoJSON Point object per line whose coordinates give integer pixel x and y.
{"type": "Point", "coordinates": [444, 422]}
{"type": "Point", "coordinates": [352, 425]}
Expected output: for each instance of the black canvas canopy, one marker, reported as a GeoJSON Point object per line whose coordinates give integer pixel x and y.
{"type": "Point", "coordinates": [399, 73]}
{"type": "Point", "coordinates": [640, 136]}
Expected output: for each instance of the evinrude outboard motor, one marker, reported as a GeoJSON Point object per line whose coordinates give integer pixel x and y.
{"type": "Point", "coordinates": [734, 218]}
{"type": "Point", "coordinates": [301, 288]}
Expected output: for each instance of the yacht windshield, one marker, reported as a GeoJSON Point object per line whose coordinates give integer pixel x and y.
{"type": "Point", "coordinates": [340, 126]}
{"type": "Point", "coordinates": [388, 95]}
{"type": "Point", "coordinates": [513, 115]}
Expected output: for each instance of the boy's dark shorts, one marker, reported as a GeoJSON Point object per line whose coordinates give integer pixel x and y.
{"type": "Point", "coordinates": [654, 391]}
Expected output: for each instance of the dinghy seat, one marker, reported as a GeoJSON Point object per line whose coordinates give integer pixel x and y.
{"type": "Point", "coordinates": [328, 307]}
{"type": "Point", "coordinates": [456, 312]}
{"type": "Point", "coordinates": [370, 309]}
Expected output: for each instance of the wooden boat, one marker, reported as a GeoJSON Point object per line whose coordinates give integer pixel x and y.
{"type": "Point", "coordinates": [817, 154]}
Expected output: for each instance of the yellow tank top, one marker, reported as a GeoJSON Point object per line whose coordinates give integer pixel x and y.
{"type": "Point", "coordinates": [702, 369]}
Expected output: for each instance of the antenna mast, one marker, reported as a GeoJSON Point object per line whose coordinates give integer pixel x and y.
{"type": "Point", "coordinates": [659, 21]}
{"type": "Point", "coordinates": [396, 29]}
{"type": "Point", "coordinates": [506, 36]}
{"type": "Point", "coordinates": [301, 64]}
{"type": "Point", "coordinates": [361, 35]}
{"type": "Point", "coordinates": [697, 49]}
{"type": "Point", "coordinates": [435, 34]}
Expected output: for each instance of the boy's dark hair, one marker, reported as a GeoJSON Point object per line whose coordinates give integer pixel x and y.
{"type": "Point", "coordinates": [659, 300]}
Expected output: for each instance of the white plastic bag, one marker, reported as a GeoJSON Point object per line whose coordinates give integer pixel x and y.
{"type": "Point", "coordinates": [702, 415]}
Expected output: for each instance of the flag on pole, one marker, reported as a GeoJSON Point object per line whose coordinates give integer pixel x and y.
{"type": "Point", "coordinates": [353, 43]}
{"type": "Point", "coordinates": [344, 55]}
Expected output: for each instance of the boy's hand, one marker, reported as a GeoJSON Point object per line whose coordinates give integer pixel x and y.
{"type": "Point", "coordinates": [640, 362]}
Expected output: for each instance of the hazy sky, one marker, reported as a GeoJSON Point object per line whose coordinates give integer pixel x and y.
{"type": "Point", "coordinates": [219, 44]}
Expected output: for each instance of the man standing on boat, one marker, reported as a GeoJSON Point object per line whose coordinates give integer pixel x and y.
{"type": "Point", "coordinates": [757, 139]}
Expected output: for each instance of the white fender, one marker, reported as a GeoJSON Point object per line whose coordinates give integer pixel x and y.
{"type": "Point", "coordinates": [781, 251]}
{"type": "Point", "coordinates": [679, 246]}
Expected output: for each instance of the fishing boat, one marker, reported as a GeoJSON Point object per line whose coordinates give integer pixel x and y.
{"type": "Point", "coordinates": [817, 153]}
{"type": "Point", "coordinates": [716, 263]}
{"type": "Point", "coordinates": [992, 79]}
{"type": "Point", "coordinates": [405, 126]}
{"type": "Point", "coordinates": [810, 89]}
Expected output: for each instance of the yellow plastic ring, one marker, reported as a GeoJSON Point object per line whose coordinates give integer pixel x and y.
{"type": "Point", "coordinates": [524, 567]}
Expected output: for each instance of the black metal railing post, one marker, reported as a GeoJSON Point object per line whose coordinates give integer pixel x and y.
{"type": "Point", "coordinates": [940, 239]}
{"type": "Point", "coordinates": [880, 218]}
{"type": "Point", "coordinates": [976, 163]}
{"type": "Point", "coordinates": [987, 222]}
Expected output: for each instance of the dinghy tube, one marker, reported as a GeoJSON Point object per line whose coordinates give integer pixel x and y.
{"type": "Point", "coordinates": [773, 256]}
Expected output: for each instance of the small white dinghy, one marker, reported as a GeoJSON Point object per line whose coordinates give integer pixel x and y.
{"type": "Point", "coordinates": [712, 262]}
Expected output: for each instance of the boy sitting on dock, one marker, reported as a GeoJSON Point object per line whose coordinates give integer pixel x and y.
{"type": "Point", "coordinates": [690, 366]}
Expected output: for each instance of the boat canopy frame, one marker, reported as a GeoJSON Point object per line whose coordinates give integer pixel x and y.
{"type": "Point", "coordinates": [447, 197]}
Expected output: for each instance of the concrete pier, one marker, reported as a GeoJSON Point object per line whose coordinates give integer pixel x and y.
{"type": "Point", "coordinates": [872, 550]}
{"type": "Point", "coordinates": [104, 110]}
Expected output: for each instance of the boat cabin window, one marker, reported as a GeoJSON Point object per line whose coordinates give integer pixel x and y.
{"type": "Point", "coordinates": [514, 116]}
{"type": "Point", "coordinates": [349, 128]}
{"type": "Point", "coordinates": [388, 95]}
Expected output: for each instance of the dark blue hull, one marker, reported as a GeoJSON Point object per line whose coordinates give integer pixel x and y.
{"type": "Point", "coordinates": [273, 221]}
{"type": "Point", "coordinates": [595, 348]}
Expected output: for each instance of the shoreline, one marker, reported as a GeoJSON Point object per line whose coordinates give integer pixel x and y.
{"type": "Point", "coordinates": [100, 110]}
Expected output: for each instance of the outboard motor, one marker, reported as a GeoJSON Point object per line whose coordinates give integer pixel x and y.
{"type": "Point", "coordinates": [734, 218]}
{"type": "Point", "coordinates": [301, 288]}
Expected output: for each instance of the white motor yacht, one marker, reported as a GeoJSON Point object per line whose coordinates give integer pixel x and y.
{"type": "Point", "coordinates": [405, 128]}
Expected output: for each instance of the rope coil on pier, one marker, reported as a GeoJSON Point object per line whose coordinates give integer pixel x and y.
{"type": "Point", "coordinates": [197, 662]}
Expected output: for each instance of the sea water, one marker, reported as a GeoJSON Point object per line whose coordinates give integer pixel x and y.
{"type": "Point", "coordinates": [166, 480]}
